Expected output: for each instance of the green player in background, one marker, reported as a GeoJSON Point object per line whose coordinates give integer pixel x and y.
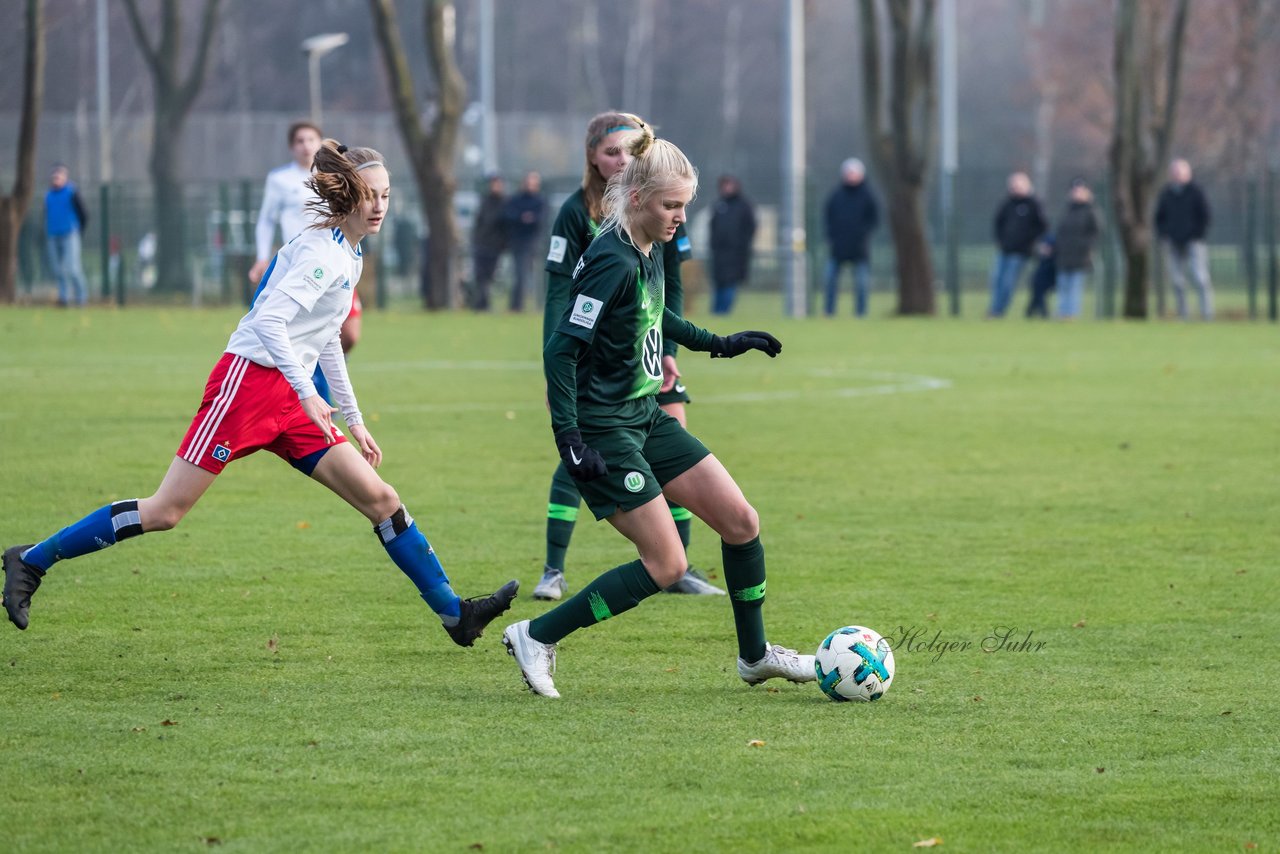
{"type": "Point", "coordinates": [603, 365]}
{"type": "Point", "coordinates": [575, 227]}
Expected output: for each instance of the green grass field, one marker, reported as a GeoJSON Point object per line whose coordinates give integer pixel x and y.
{"type": "Point", "coordinates": [263, 679]}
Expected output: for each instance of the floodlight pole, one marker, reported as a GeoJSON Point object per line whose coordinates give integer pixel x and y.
{"type": "Point", "coordinates": [488, 119]}
{"type": "Point", "coordinates": [793, 238]}
{"type": "Point", "coordinates": [315, 48]}
{"type": "Point", "coordinates": [104, 96]}
{"type": "Point", "coordinates": [947, 71]}
{"type": "Point", "coordinates": [104, 146]}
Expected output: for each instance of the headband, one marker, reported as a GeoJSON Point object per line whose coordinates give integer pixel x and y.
{"type": "Point", "coordinates": [614, 129]}
{"type": "Point", "coordinates": [370, 163]}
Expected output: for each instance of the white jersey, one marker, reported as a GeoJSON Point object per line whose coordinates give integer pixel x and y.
{"type": "Point", "coordinates": [296, 319]}
{"type": "Point", "coordinates": [284, 202]}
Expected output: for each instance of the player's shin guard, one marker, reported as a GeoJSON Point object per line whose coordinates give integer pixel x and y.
{"type": "Point", "coordinates": [562, 514]}
{"type": "Point", "coordinates": [104, 527]}
{"type": "Point", "coordinates": [684, 522]}
{"type": "Point", "coordinates": [744, 576]}
{"type": "Point", "coordinates": [620, 589]}
{"type": "Point", "coordinates": [411, 552]}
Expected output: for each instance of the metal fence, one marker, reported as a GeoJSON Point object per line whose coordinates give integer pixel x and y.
{"type": "Point", "coordinates": [219, 218]}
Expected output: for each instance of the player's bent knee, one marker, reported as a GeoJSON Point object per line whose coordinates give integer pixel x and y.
{"type": "Point", "coordinates": [741, 525]}
{"type": "Point", "coordinates": [666, 570]}
{"type": "Point", "coordinates": [385, 502]}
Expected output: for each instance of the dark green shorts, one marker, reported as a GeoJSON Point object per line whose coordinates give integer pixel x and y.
{"type": "Point", "coordinates": [642, 458]}
{"type": "Point", "coordinates": [678, 394]}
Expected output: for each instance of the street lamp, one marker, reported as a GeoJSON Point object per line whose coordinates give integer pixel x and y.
{"type": "Point", "coordinates": [316, 47]}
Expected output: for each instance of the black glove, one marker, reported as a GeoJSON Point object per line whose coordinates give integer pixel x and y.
{"type": "Point", "coordinates": [728, 346]}
{"type": "Point", "coordinates": [583, 463]}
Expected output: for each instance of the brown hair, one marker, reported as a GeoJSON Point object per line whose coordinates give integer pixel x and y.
{"type": "Point", "coordinates": [304, 125]}
{"type": "Point", "coordinates": [656, 164]}
{"type": "Point", "coordinates": [335, 178]}
{"type": "Point", "coordinates": [598, 128]}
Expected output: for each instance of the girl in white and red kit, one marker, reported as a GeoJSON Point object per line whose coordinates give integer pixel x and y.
{"type": "Point", "coordinates": [261, 396]}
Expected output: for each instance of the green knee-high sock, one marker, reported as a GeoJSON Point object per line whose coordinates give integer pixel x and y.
{"type": "Point", "coordinates": [684, 522]}
{"type": "Point", "coordinates": [562, 514]}
{"type": "Point", "coordinates": [744, 576]}
{"type": "Point", "coordinates": [620, 589]}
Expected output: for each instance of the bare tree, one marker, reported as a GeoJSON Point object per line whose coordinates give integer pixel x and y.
{"type": "Point", "coordinates": [13, 207]}
{"type": "Point", "coordinates": [1046, 85]}
{"type": "Point", "coordinates": [174, 96]}
{"type": "Point", "coordinates": [431, 148]}
{"type": "Point", "coordinates": [898, 61]}
{"type": "Point", "coordinates": [1148, 69]}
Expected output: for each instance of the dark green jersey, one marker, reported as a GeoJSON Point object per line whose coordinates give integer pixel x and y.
{"type": "Point", "coordinates": [572, 232]}
{"type": "Point", "coordinates": [603, 363]}
{"type": "Point", "coordinates": [616, 309]}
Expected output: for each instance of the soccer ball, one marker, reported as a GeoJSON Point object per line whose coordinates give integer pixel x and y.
{"type": "Point", "coordinates": [854, 663]}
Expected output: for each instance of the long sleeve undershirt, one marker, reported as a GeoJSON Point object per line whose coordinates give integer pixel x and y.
{"type": "Point", "coordinates": [271, 327]}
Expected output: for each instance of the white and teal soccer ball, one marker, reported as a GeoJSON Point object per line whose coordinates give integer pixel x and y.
{"type": "Point", "coordinates": [854, 663]}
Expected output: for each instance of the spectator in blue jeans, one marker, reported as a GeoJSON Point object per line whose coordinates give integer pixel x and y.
{"type": "Point", "coordinates": [1182, 221]}
{"type": "Point", "coordinates": [1076, 234]}
{"type": "Point", "coordinates": [733, 228]}
{"type": "Point", "coordinates": [1019, 223]}
{"type": "Point", "coordinates": [851, 214]}
{"type": "Point", "coordinates": [64, 218]}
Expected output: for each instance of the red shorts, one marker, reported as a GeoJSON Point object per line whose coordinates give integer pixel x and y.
{"type": "Point", "coordinates": [248, 407]}
{"type": "Point", "coordinates": [356, 308]}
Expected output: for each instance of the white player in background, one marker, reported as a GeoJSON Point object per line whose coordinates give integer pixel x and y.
{"type": "Point", "coordinates": [285, 197]}
{"type": "Point", "coordinates": [284, 203]}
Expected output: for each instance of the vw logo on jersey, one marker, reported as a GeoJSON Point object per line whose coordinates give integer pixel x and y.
{"type": "Point", "coordinates": [652, 356]}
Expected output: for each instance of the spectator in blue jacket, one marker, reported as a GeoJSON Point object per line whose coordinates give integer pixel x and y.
{"type": "Point", "coordinates": [64, 218]}
{"type": "Point", "coordinates": [1019, 223]}
{"type": "Point", "coordinates": [851, 215]}
{"type": "Point", "coordinates": [524, 214]}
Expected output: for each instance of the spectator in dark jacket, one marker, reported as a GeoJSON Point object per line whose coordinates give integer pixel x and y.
{"type": "Point", "coordinates": [524, 213]}
{"type": "Point", "coordinates": [733, 228]}
{"type": "Point", "coordinates": [488, 240]}
{"type": "Point", "coordinates": [1076, 234]}
{"type": "Point", "coordinates": [1182, 220]}
{"type": "Point", "coordinates": [64, 219]}
{"type": "Point", "coordinates": [1019, 223]}
{"type": "Point", "coordinates": [851, 215]}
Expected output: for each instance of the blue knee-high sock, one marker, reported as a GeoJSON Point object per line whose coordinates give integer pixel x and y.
{"type": "Point", "coordinates": [411, 552]}
{"type": "Point", "coordinates": [104, 527]}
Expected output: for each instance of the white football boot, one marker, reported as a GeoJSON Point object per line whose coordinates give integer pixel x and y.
{"type": "Point", "coordinates": [537, 660]}
{"type": "Point", "coordinates": [778, 662]}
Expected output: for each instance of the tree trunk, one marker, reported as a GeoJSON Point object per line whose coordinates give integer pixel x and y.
{"type": "Point", "coordinates": [172, 274]}
{"type": "Point", "coordinates": [174, 97]}
{"type": "Point", "coordinates": [436, 190]}
{"type": "Point", "coordinates": [911, 248]}
{"type": "Point", "coordinates": [901, 130]}
{"type": "Point", "coordinates": [13, 207]}
{"type": "Point", "coordinates": [431, 149]}
{"type": "Point", "coordinates": [1136, 278]}
{"type": "Point", "coordinates": [10, 226]}
{"type": "Point", "coordinates": [1147, 65]}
